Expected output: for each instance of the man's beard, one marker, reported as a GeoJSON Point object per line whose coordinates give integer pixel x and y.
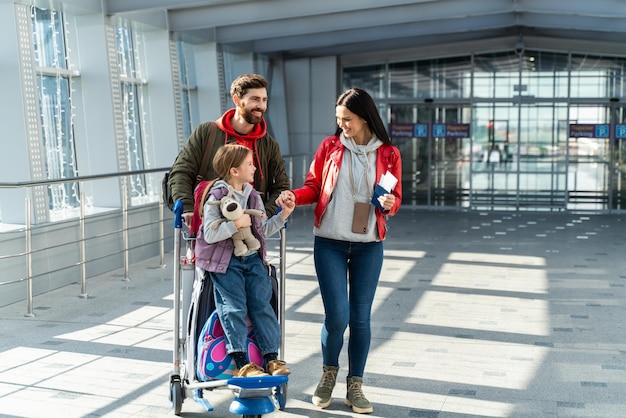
{"type": "Point", "coordinates": [249, 117]}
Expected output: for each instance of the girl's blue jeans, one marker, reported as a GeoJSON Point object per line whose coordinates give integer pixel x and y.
{"type": "Point", "coordinates": [243, 291]}
{"type": "Point", "coordinates": [348, 274]}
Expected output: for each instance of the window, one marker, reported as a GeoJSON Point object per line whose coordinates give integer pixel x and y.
{"type": "Point", "coordinates": [132, 115]}
{"type": "Point", "coordinates": [188, 85]}
{"type": "Point", "coordinates": [54, 82]}
{"type": "Point", "coordinates": [596, 76]}
{"type": "Point", "coordinates": [370, 78]}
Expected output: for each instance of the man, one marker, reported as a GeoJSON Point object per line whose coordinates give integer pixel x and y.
{"type": "Point", "coordinates": [244, 124]}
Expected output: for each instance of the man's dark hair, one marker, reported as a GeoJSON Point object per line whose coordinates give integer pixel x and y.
{"type": "Point", "coordinates": [244, 82]}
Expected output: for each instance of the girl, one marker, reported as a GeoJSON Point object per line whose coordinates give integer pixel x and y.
{"type": "Point", "coordinates": [242, 286]}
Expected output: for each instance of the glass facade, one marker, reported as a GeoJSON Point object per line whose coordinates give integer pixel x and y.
{"type": "Point", "coordinates": [54, 82]}
{"type": "Point", "coordinates": [133, 113]}
{"type": "Point", "coordinates": [188, 85]}
{"type": "Point", "coordinates": [506, 131]}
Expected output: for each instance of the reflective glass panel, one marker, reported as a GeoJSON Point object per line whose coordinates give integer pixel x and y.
{"type": "Point", "coordinates": [55, 108]}
{"type": "Point", "coordinates": [594, 76]}
{"type": "Point", "coordinates": [48, 38]}
{"type": "Point", "coordinates": [520, 155]}
{"type": "Point", "coordinates": [370, 78]}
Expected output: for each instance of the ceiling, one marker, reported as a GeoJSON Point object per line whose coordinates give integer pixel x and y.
{"type": "Point", "coordinates": [313, 28]}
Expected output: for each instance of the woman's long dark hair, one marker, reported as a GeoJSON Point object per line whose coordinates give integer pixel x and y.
{"type": "Point", "coordinates": [359, 102]}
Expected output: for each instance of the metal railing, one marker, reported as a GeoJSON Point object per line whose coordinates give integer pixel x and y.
{"type": "Point", "coordinates": [28, 229]}
{"type": "Point", "coordinates": [293, 163]}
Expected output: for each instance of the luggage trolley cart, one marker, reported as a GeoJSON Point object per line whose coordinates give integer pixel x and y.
{"type": "Point", "coordinates": [253, 396]}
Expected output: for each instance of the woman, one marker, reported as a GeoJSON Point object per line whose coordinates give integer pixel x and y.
{"type": "Point", "coordinates": [349, 233]}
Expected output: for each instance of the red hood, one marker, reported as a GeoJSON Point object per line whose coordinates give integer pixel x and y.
{"type": "Point", "coordinates": [247, 140]}
{"type": "Point", "coordinates": [257, 132]}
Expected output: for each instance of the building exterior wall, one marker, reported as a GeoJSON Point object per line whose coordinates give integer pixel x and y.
{"type": "Point", "coordinates": [301, 113]}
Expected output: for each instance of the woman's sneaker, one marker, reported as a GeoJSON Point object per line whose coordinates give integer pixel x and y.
{"type": "Point", "coordinates": [249, 370]}
{"type": "Point", "coordinates": [323, 392]}
{"type": "Point", "coordinates": [355, 397]}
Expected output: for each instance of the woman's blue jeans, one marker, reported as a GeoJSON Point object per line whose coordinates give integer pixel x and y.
{"type": "Point", "coordinates": [245, 290]}
{"type": "Point", "coordinates": [348, 274]}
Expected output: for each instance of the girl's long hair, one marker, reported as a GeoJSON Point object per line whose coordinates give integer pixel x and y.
{"type": "Point", "coordinates": [227, 157]}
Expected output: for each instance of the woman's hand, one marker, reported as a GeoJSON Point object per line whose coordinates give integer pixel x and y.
{"type": "Point", "coordinates": [286, 199]}
{"type": "Point", "coordinates": [387, 201]}
{"type": "Point", "coordinates": [287, 202]}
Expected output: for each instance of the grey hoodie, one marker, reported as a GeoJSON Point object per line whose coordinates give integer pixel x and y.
{"type": "Point", "coordinates": [337, 220]}
{"type": "Point", "coordinates": [227, 229]}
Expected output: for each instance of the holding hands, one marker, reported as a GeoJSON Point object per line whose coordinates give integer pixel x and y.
{"type": "Point", "coordinates": [287, 202]}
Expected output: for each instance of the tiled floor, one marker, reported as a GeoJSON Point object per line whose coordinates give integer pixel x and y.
{"type": "Point", "coordinates": [477, 315]}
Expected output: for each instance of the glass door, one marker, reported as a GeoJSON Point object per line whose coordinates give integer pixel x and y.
{"type": "Point", "coordinates": [589, 157]}
{"type": "Point", "coordinates": [415, 154]}
{"type": "Point", "coordinates": [435, 172]}
{"type": "Point", "coordinates": [518, 158]}
{"type": "Point", "coordinates": [514, 156]}
{"type": "Point", "coordinates": [617, 197]}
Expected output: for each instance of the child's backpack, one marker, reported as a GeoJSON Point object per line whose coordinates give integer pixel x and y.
{"type": "Point", "coordinates": [213, 362]}
{"type": "Point", "coordinates": [166, 190]}
{"type": "Point", "coordinates": [200, 195]}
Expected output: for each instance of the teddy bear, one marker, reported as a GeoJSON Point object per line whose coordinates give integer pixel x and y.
{"type": "Point", "coordinates": [243, 240]}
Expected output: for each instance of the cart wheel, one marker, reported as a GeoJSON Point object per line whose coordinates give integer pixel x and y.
{"type": "Point", "coordinates": [176, 396]}
{"type": "Point", "coordinates": [281, 395]}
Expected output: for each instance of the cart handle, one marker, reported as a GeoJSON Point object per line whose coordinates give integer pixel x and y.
{"type": "Point", "coordinates": [178, 214]}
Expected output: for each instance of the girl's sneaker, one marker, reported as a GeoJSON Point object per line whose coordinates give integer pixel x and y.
{"type": "Point", "coordinates": [277, 368]}
{"type": "Point", "coordinates": [249, 370]}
